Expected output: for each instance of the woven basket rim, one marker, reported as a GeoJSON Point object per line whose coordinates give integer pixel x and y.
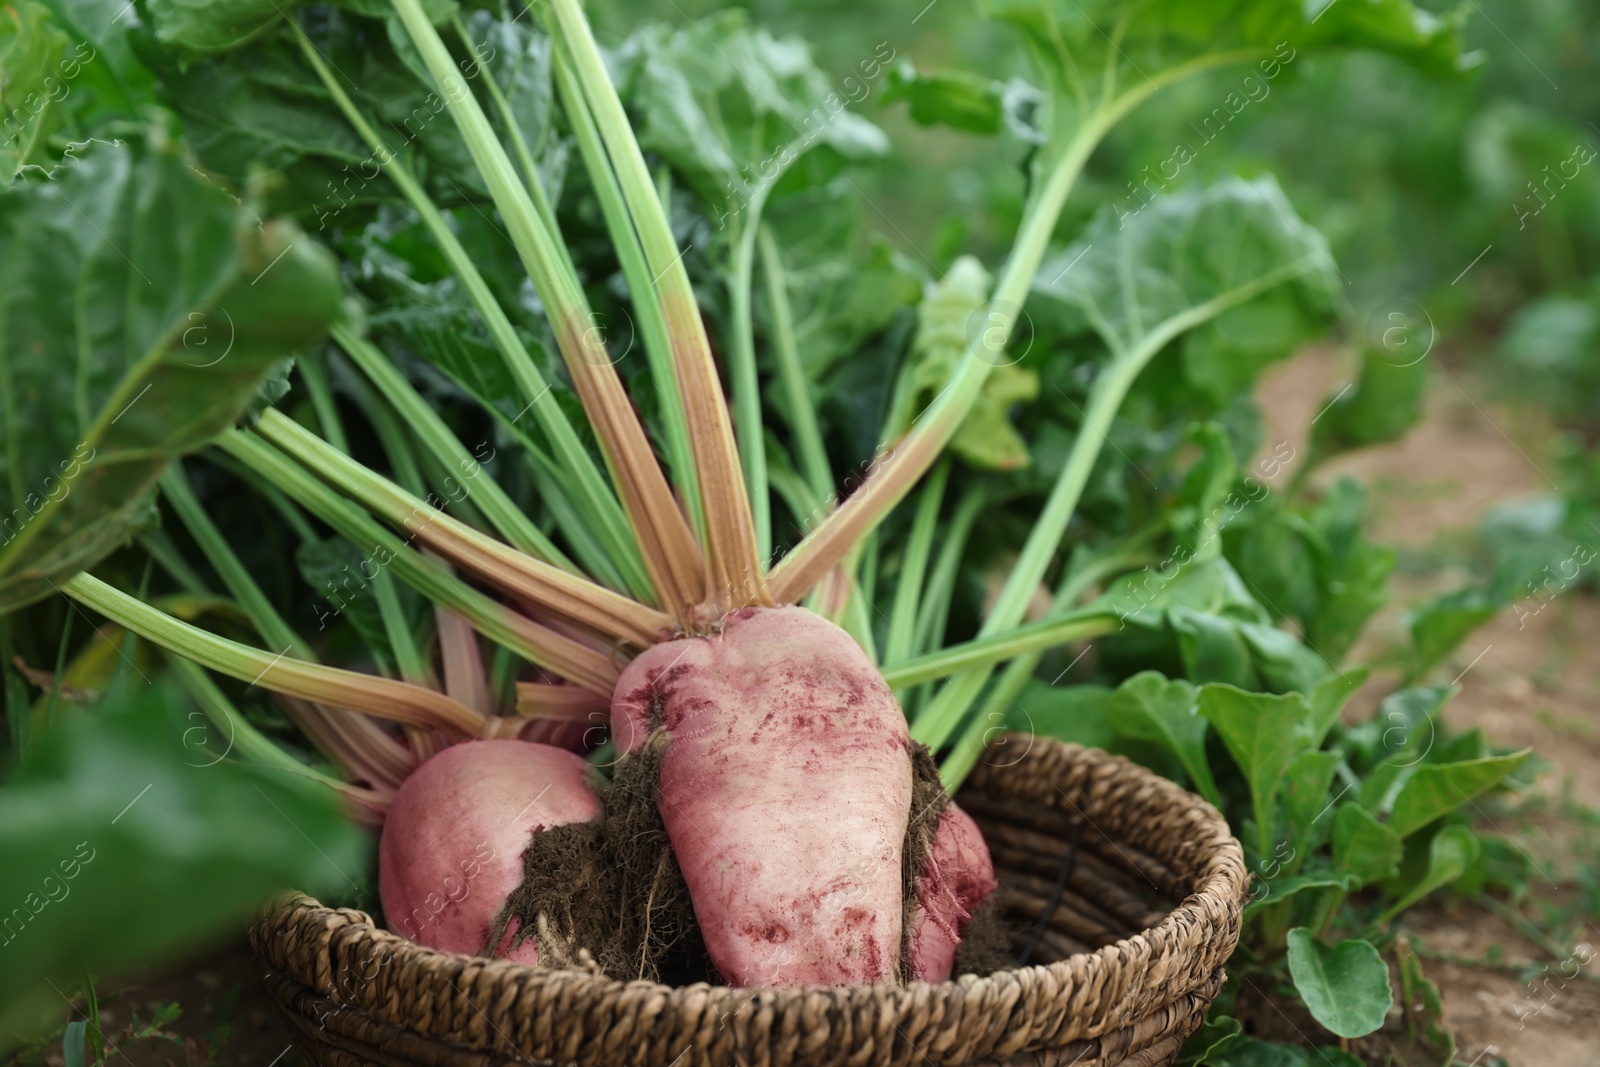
{"type": "Point", "coordinates": [1203, 926]}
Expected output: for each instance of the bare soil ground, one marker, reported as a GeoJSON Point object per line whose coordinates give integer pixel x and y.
{"type": "Point", "coordinates": [228, 1020]}
{"type": "Point", "coordinates": [1527, 677]}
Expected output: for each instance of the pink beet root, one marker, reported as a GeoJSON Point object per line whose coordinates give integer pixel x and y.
{"type": "Point", "coordinates": [785, 789]}
{"type": "Point", "coordinates": [957, 876]}
{"type": "Point", "coordinates": [451, 849]}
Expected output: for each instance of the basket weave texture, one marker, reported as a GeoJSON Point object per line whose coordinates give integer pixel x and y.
{"type": "Point", "coordinates": [1125, 889]}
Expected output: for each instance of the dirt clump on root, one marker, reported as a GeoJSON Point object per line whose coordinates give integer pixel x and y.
{"type": "Point", "coordinates": [565, 899]}
{"type": "Point", "coordinates": [608, 895]}
{"type": "Point", "coordinates": [658, 937]}
{"type": "Point", "coordinates": [986, 940]}
{"type": "Point", "coordinates": [928, 801]}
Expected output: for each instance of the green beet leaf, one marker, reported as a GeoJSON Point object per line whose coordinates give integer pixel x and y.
{"type": "Point", "coordinates": [1328, 698]}
{"type": "Point", "coordinates": [1451, 853]}
{"type": "Point", "coordinates": [1431, 42]}
{"type": "Point", "coordinates": [1435, 789]}
{"type": "Point", "coordinates": [1306, 804]}
{"type": "Point", "coordinates": [1263, 733]}
{"type": "Point", "coordinates": [1346, 986]}
{"type": "Point", "coordinates": [33, 67]}
{"type": "Point", "coordinates": [142, 306]}
{"type": "Point", "coordinates": [1274, 548]}
{"type": "Point", "coordinates": [1076, 713]}
{"type": "Point", "coordinates": [257, 103]}
{"type": "Point", "coordinates": [1437, 629]}
{"type": "Point", "coordinates": [958, 99]}
{"type": "Point", "coordinates": [518, 58]}
{"type": "Point", "coordinates": [1385, 403]}
{"type": "Point", "coordinates": [1222, 633]}
{"type": "Point", "coordinates": [333, 568]}
{"type": "Point", "coordinates": [212, 25]}
{"type": "Point", "coordinates": [1148, 707]}
{"type": "Point", "coordinates": [735, 109]}
{"type": "Point", "coordinates": [264, 108]}
{"type": "Point", "coordinates": [1139, 279]}
{"type": "Point", "coordinates": [106, 81]}
{"type": "Point", "coordinates": [947, 319]}
{"type": "Point", "coordinates": [125, 843]}
{"type": "Point", "coordinates": [1143, 598]}
{"type": "Point", "coordinates": [1312, 564]}
{"type": "Point", "coordinates": [1267, 891]}
{"type": "Point", "coordinates": [1215, 1036]}
{"type": "Point", "coordinates": [1352, 573]}
{"type": "Point", "coordinates": [1363, 847]}
{"type": "Point", "coordinates": [1160, 42]}
{"type": "Point", "coordinates": [1208, 494]}
{"type": "Point", "coordinates": [1243, 654]}
{"type": "Point", "coordinates": [206, 26]}
{"type": "Point", "coordinates": [1403, 730]}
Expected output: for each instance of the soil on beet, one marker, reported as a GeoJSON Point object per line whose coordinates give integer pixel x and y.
{"type": "Point", "coordinates": [608, 895]}
{"type": "Point", "coordinates": [657, 936]}
{"type": "Point", "coordinates": [986, 942]}
{"type": "Point", "coordinates": [928, 801]}
{"type": "Point", "coordinates": [566, 897]}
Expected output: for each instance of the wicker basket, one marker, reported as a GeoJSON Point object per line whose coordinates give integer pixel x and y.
{"type": "Point", "coordinates": [1125, 891]}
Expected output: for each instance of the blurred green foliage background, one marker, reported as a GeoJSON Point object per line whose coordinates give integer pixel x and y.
{"type": "Point", "coordinates": [1409, 176]}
